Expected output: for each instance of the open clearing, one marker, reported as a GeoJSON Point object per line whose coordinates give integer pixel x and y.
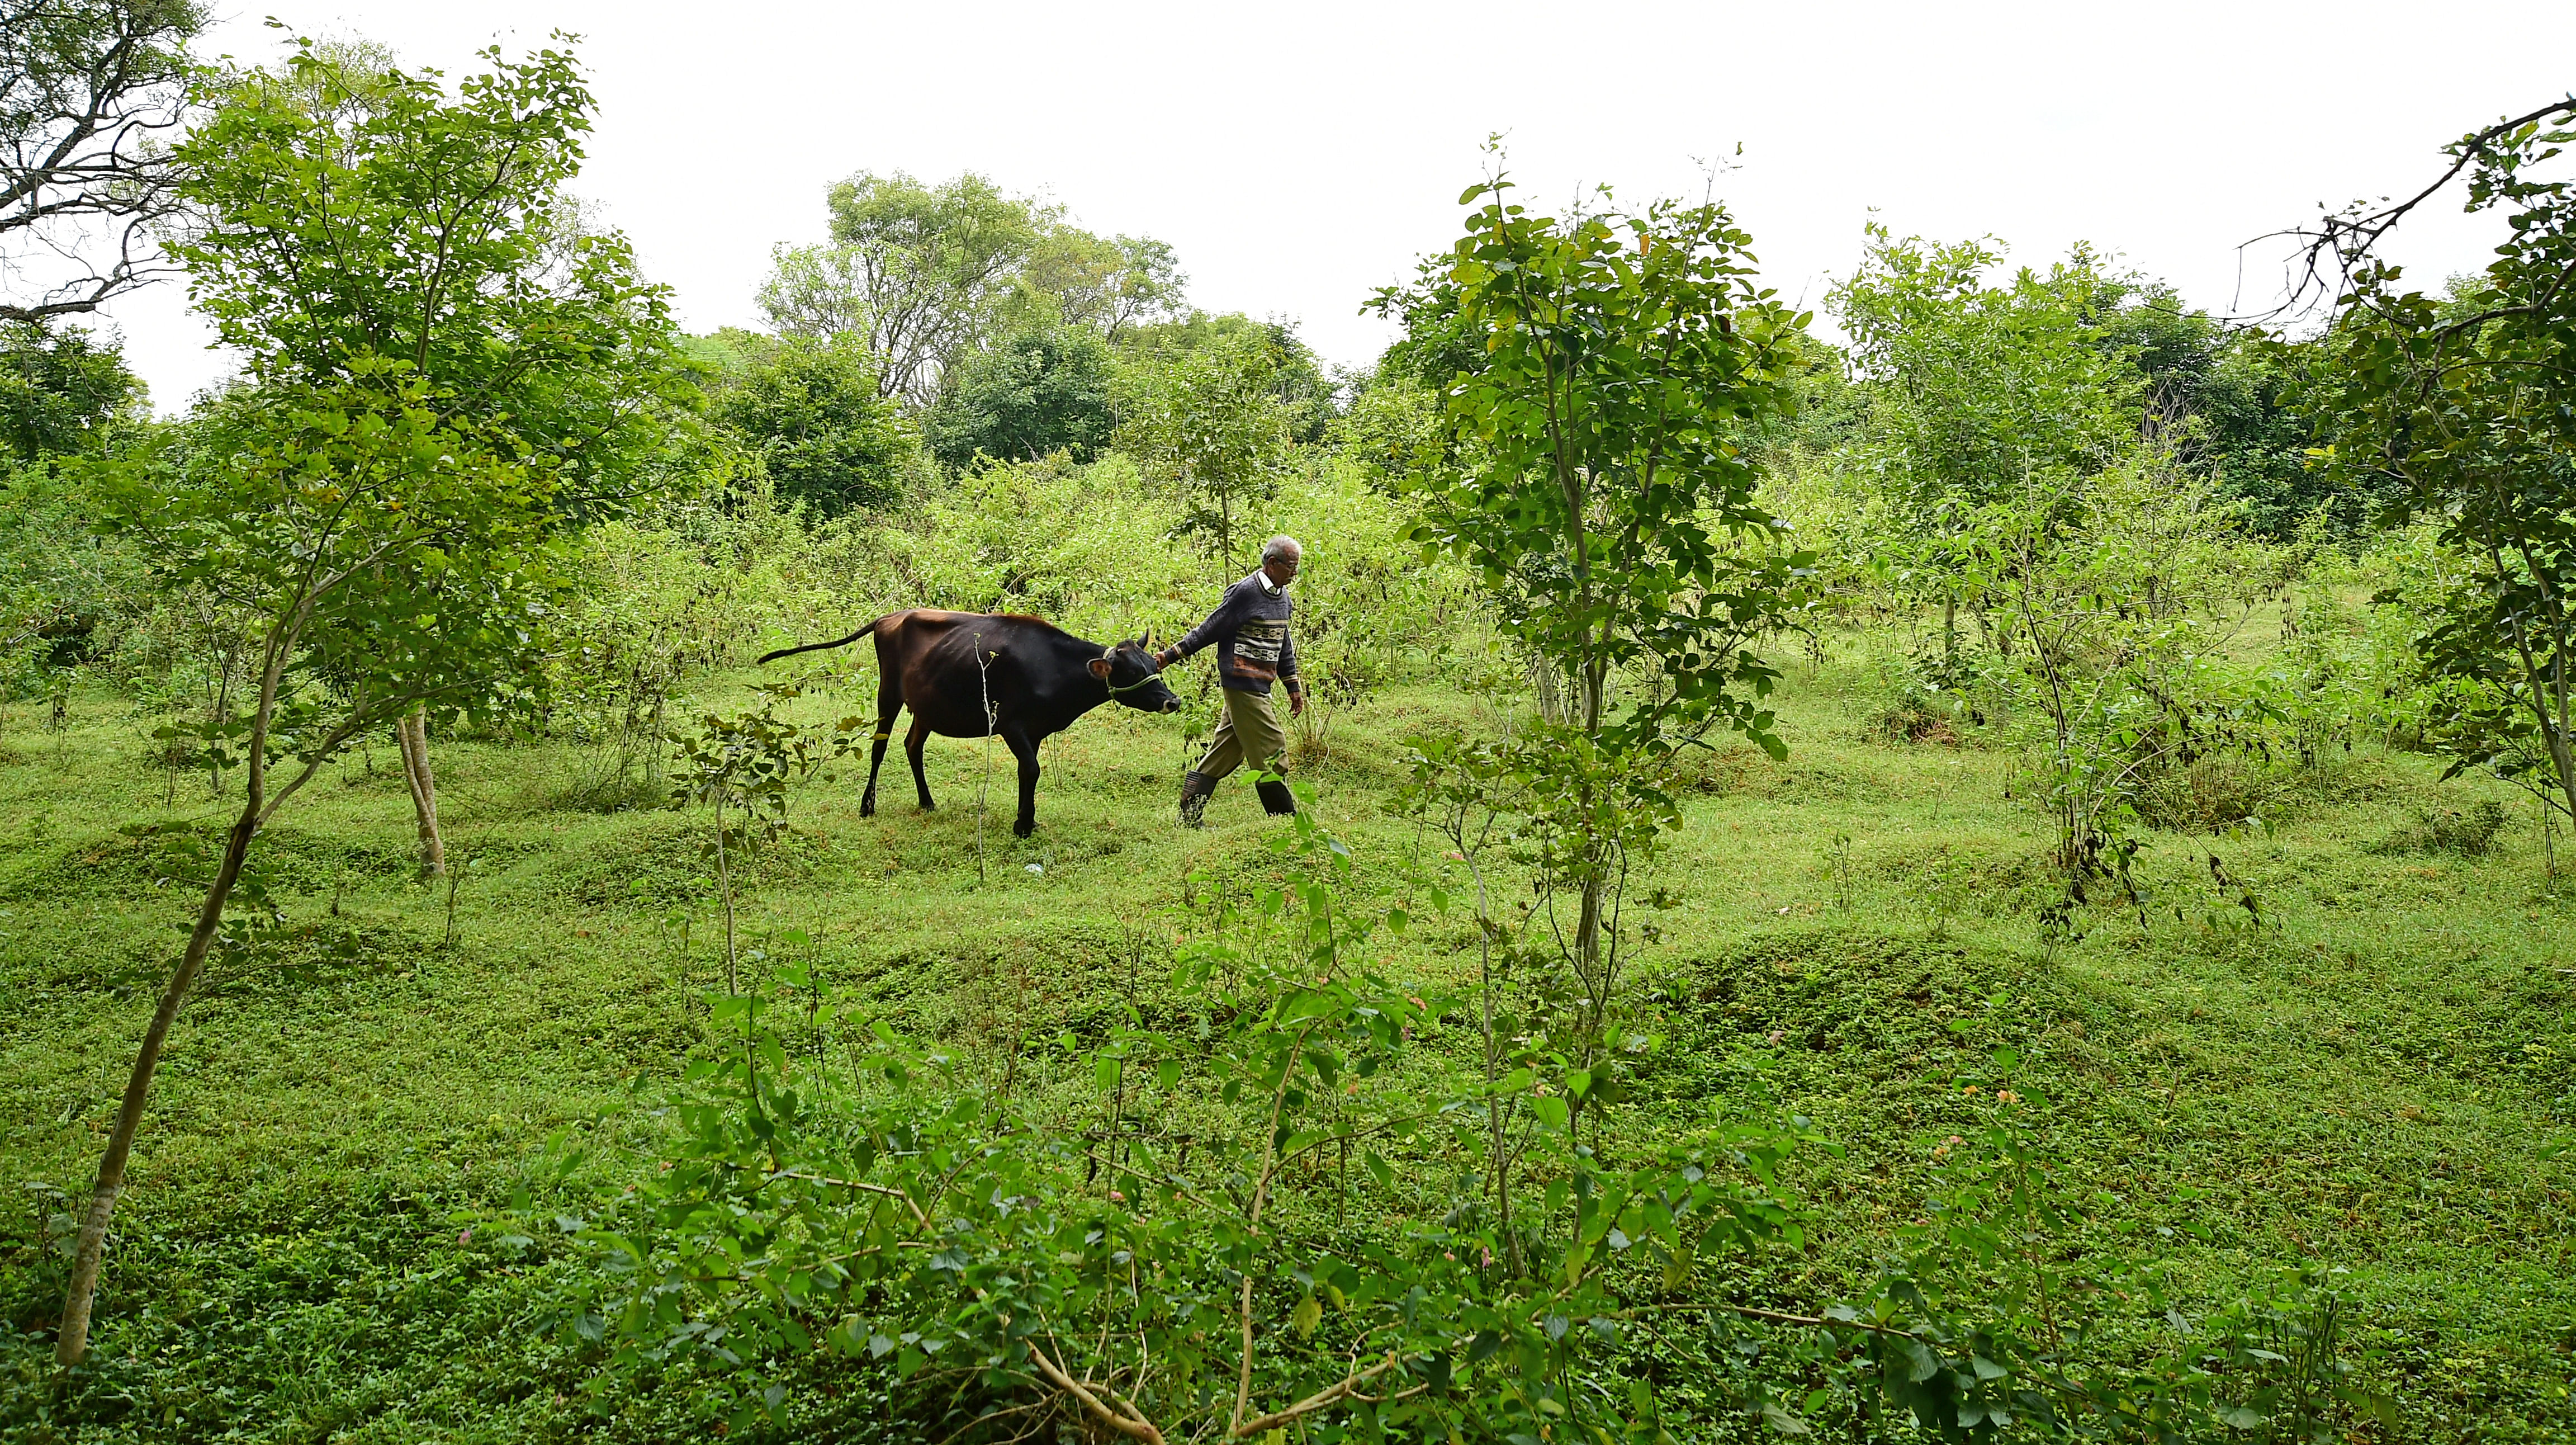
{"type": "Point", "coordinates": [2377, 1078]}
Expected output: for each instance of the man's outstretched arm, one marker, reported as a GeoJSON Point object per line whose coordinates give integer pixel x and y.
{"type": "Point", "coordinates": [1223, 618]}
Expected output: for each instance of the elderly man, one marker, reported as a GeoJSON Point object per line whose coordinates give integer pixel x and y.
{"type": "Point", "coordinates": [1249, 630]}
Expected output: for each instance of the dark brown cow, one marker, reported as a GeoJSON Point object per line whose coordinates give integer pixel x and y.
{"type": "Point", "coordinates": [1036, 678]}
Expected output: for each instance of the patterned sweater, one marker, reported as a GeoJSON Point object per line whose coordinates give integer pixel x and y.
{"type": "Point", "coordinates": [1250, 632]}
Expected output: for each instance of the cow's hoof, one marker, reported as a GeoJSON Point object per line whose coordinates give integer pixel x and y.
{"type": "Point", "coordinates": [1024, 828]}
{"type": "Point", "coordinates": [867, 807]}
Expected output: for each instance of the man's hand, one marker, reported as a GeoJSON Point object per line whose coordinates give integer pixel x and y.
{"type": "Point", "coordinates": [1166, 658]}
{"type": "Point", "coordinates": [1296, 701]}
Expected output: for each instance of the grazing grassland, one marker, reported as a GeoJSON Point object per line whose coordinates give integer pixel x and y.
{"type": "Point", "coordinates": [2378, 1077]}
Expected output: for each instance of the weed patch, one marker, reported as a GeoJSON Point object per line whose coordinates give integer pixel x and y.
{"type": "Point", "coordinates": [2211, 794]}
{"type": "Point", "coordinates": [2463, 832]}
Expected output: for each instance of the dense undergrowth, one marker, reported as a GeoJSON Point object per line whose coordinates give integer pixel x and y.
{"type": "Point", "coordinates": [320, 1244]}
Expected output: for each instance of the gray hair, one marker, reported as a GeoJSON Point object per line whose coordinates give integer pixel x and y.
{"type": "Point", "coordinates": [1277, 546]}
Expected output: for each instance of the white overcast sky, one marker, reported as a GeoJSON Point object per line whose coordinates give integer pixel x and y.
{"type": "Point", "coordinates": [1300, 156]}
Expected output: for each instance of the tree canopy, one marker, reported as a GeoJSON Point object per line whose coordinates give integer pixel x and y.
{"type": "Point", "coordinates": [812, 411]}
{"type": "Point", "coordinates": [2463, 406]}
{"type": "Point", "coordinates": [920, 274]}
{"type": "Point", "coordinates": [1034, 393]}
{"type": "Point", "coordinates": [61, 390]}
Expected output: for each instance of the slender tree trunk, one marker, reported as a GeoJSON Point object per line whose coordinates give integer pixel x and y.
{"type": "Point", "coordinates": [1587, 929]}
{"type": "Point", "coordinates": [72, 1342]}
{"type": "Point", "coordinates": [413, 731]}
{"type": "Point", "coordinates": [724, 886]}
{"type": "Point", "coordinates": [1493, 1058]}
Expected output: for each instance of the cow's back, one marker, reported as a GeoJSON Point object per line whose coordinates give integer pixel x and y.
{"type": "Point", "coordinates": [926, 657]}
{"type": "Point", "coordinates": [908, 639]}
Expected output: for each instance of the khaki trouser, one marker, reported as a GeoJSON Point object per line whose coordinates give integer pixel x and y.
{"type": "Point", "coordinates": [1248, 732]}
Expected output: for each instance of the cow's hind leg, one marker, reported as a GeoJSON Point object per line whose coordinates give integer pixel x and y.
{"type": "Point", "coordinates": [1024, 748]}
{"type": "Point", "coordinates": [912, 742]}
{"type": "Point", "coordinates": [886, 709]}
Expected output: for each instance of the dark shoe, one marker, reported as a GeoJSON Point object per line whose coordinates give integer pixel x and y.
{"type": "Point", "coordinates": [1276, 800]}
{"type": "Point", "coordinates": [1195, 789]}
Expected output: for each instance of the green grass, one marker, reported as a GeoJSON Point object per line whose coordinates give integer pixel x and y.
{"type": "Point", "coordinates": [2377, 1078]}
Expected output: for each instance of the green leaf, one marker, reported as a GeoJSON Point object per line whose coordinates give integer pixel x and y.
{"type": "Point", "coordinates": [1306, 1316]}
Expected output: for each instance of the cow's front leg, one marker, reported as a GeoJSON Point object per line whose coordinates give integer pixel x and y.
{"type": "Point", "coordinates": [912, 742]}
{"type": "Point", "coordinates": [1025, 748]}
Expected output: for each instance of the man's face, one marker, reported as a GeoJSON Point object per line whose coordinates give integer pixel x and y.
{"type": "Point", "coordinates": [1281, 569]}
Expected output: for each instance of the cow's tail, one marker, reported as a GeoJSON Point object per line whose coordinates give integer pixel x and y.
{"type": "Point", "coordinates": [770, 657]}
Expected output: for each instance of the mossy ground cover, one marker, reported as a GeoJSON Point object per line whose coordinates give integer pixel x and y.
{"type": "Point", "coordinates": [2378, 1076]}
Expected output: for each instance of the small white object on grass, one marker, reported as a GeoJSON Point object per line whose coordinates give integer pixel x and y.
{"type": "Point", "coordinates": [1037, 867]}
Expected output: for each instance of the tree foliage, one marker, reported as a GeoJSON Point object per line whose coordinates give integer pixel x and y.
{"type": "Point", "coordinates": [2466, 406]}
{"type": "Point", "coordinates": [1600, 472]}
{"type": "Point", "coordinates": [1108, 285]}
{"type": "Point", "coordinates": [812, 411]}
{"type": "Point", "coordinates": [1032, 394]}
{"type": "Point", "coordinates": [62, 392]}
{"type": "Point", "coordinates": [1978, 385]}
{"type": "Point", "coordinates": [1290, 370]}
{"type": "Point", "coordinates": [919, 275]}
{"type": "Point", "coordinates": [1209, 423]}
{"type": "Point", "coordinates": [1594, 474]}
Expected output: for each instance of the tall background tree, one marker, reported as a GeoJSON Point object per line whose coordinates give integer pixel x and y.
{"type": "Point", "coordinates": [918, 275]}
{"type": "Point", "coordinates": [1977, 387]}
{"type": "Point", "coordinates": [1207, 423]}
{"type": "Point", "coordinates": [66, 398]}
{"type": "Point", "coordinates": [91, 94]}
{"type": "Point", "coordinates": [1072, 278]}
{"type": "Point", "coordinates": [61, 390]}
{"type": "Point", "coordinates": [446, 380]}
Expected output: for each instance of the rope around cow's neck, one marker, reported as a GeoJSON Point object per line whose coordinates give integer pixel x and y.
{"type": "Point", "coordinates": [1152, 673]}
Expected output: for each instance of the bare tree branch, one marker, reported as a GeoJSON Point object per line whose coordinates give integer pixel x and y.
{"type": "Point", "coordinates": [2331, 252]}
{"type": "Point", "coordinates": [89, 90]}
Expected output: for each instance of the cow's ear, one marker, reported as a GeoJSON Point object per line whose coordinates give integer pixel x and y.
{"type": "Point", "coordinates": [1100, 668]}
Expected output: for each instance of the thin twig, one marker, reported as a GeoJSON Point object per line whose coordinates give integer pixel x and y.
{"type": "Point", "coordinates": [1346, 1387]}
{"type": "Point", "coordinates": [1124, 1419]}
